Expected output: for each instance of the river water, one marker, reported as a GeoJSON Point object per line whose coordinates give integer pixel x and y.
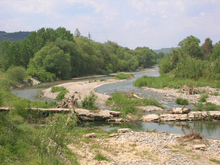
{"type": "Point", "coordinates": [210, 130]}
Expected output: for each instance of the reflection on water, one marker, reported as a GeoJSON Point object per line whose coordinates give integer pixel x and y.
{"type": "Point", "coordinates": [210, 130]}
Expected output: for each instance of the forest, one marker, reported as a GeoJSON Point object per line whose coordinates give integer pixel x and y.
{"type": "Point", "coordinates": [49, 54]}
{"type": "Point", "coordinates": [188, 64]}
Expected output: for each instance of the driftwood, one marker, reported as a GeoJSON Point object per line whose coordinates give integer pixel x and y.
{"type": "Point", "coordinates": [69, 103]}
{"type": "Point", "coordinates": [188, 90]}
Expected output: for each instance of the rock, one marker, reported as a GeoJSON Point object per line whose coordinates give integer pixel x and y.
{"type": "Point", "coordinates": [150, 108]}
{"type": "Point", "coordinates": [124, 130]}
{"type": "Point", "coordinates": [179, 110]}
{"type": "Point", "coordinates": [34, 81]}
{"type": "Point", "coordinates": [150, 117]}
{"type": "Point", "coordinates": [115, 113]}
{"type": "Point", "coordinates": [137, 96]}
{"type": "Point", "coordinates": [173, 117]}
{"type": "Point", "coordinates": [98, 115]}
{"type": "Point", "coordinates": [199, 146]}
{"type": "Point", "coordinates": [113, 135]}
{"type": "Point", "coordinates": [117, 120]}
{"type": "Point", "coordinates": [90, 135]}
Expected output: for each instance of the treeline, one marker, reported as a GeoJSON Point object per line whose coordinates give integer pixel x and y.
{"type": "Point", "coordinates": [192, 61]}
{"type": "Point", "coordinates": [49, 53]}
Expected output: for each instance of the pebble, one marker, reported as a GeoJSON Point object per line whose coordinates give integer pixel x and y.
{"type": "Point", "coordinates": [159, 143]}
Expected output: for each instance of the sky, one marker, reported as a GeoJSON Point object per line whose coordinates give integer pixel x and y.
{"type": "Point", "coordinates": [130, 23]}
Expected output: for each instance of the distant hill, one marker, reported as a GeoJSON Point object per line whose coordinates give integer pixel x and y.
{"type": "Point", "coordinates": [164, 50]}
{"type": "Point", "coordinates": [16, 36]}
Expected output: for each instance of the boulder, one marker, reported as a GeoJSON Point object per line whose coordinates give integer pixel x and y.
{"type": "Point", "coordinates": [113, 135]}
{"type": "Point", "coordinates": [199, 146]}
{"type": "Point", "coordinates": [90, 135]}
{"type": "Point", "coordinates": [179, 110]}
{"type": "Point", "coordinates": [150, 108]}
{"type": "Point", "coordinates": [85, 114]}
{"type": "Point", "coordinates": [115, 113]}
{"type": "Point", "coordinates": [150, 117]}
{"type": "Point", "coordinates": [173, 117]}
{"type": "Point", "coordinates": [124, 130]}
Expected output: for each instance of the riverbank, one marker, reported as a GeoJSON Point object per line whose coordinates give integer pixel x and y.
{"type": "Point", "coordinates": [212, 93]}
{"type": "Point", "coordinates": [145, 148]}
{"type": "Point", "coordinates": [81, 89]}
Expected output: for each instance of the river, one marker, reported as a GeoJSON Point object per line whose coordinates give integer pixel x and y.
{"type": "Point", "coordinates": [210, 130]}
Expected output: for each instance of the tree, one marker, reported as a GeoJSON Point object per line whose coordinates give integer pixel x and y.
{"type": "Point", "coordinates": [4, 54]}
{"type": "Point", "coordinates": [190, 45]}
{"type": "Point", "coordinates": [207, 47]}
{"type": "Point", "coordinates": [77, 33]}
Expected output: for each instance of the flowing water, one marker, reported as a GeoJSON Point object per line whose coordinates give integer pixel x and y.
{"type": "Point", "coordinates": [208, 129]}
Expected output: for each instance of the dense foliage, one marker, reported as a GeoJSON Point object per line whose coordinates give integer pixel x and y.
{"type": "Point", "coordinates": [49, 53]}
{"type": "Point", "coordinates": [189, 64]}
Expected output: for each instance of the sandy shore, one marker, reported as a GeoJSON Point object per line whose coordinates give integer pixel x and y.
{"type": "Point", "coordinates": [213, 94]}
{"type": "Point", "coordinates": [81, 89]}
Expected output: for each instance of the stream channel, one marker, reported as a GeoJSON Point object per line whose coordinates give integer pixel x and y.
{"type": "Point", "coordinates": [209, 129]}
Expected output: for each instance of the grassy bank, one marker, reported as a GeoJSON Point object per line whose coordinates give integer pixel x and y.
{"type": "Point", "coordinates": [172, 82]}
{"type": "Point", "coordinates": [121, 76]}
{"type": "Point", "coordinates": [126, 103]}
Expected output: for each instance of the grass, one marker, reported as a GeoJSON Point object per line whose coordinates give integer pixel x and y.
{"type": "Point", "coordinates": [202, 99]}
{"type": "Point", "coordinates": [126, 103]}
{"type": "Point", "coordinates": [102, 79]}
{"type": "Point", "coordinates": [206, 107]}
{"type": "Point", "coordinates": [172, 82]}
{"type": "Point", "coordinates": [215, 161]}
{"type": "Point", "coordinates": [181, 101]}
{"type": "Point", "coordinates": [89, 102]}
{"type": "Point", "coordinates": [121, 76]}
{"type": "Point", "coordinates": [100, 157]}
{"type": "Point", "coordinates": [62, 91]}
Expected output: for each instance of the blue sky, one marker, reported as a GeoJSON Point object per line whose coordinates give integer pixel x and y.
{"type": "Point", "coordinates": [131, 23]}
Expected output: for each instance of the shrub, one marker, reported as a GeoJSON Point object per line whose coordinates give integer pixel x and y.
{"type": "Point", "coordinates": [102, 79]}
{"type": "Point", "coordinates": [62, 91]}
{"type": "Point", "coordinates": [202, 99]}
{"type": "Point", "coordinates": [17, 73]}
{"type": "Point", "coordinates": [89, 101]}
{"type": "Point", "coordinates": [100, 157]}
{"type": "Point", "coordinates": [20, 108]}
{"type": "Point", "coordinates": [121, 76]}
{"type": "Point", "coordinates": [206, 107]}
{"type": "Point", "coordinates": [165, 64]}
{"type": "Point", "coordinates": [181, 101]}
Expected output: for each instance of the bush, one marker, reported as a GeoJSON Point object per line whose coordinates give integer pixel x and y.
{"type": "Point", "coordinates": [17, 73]}
{"type": "Point", "coordinates": [206, 107]}
{"type": "Point", "coordinates": [202, 99]}
{"type": "Point", "coordinates": [62, 91]}
{"type": "Point", "coordinates": [102, 79]}
{"type": "Point", "coordinates": [181, 101]}
{"type": "Point", "coordinates": [89, 101]}
{"type": "Point", "coordinates": [100, 157]}
{"type": "Point", "coordinates": [121, 76]}
{"type": "Point", "coordinates": [165, 65]}
{"type": "Point", "coordinates": [20, 108]}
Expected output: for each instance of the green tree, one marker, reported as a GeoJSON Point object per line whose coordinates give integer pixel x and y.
{"type": "Point", "coordinates": [207, 47]}
{"type": "Point", "coordinates": [77, 33]}
{"type": "Point", "coordinates": [190, 46]}
{"type": "Point", "coordinates": [4, 54]}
